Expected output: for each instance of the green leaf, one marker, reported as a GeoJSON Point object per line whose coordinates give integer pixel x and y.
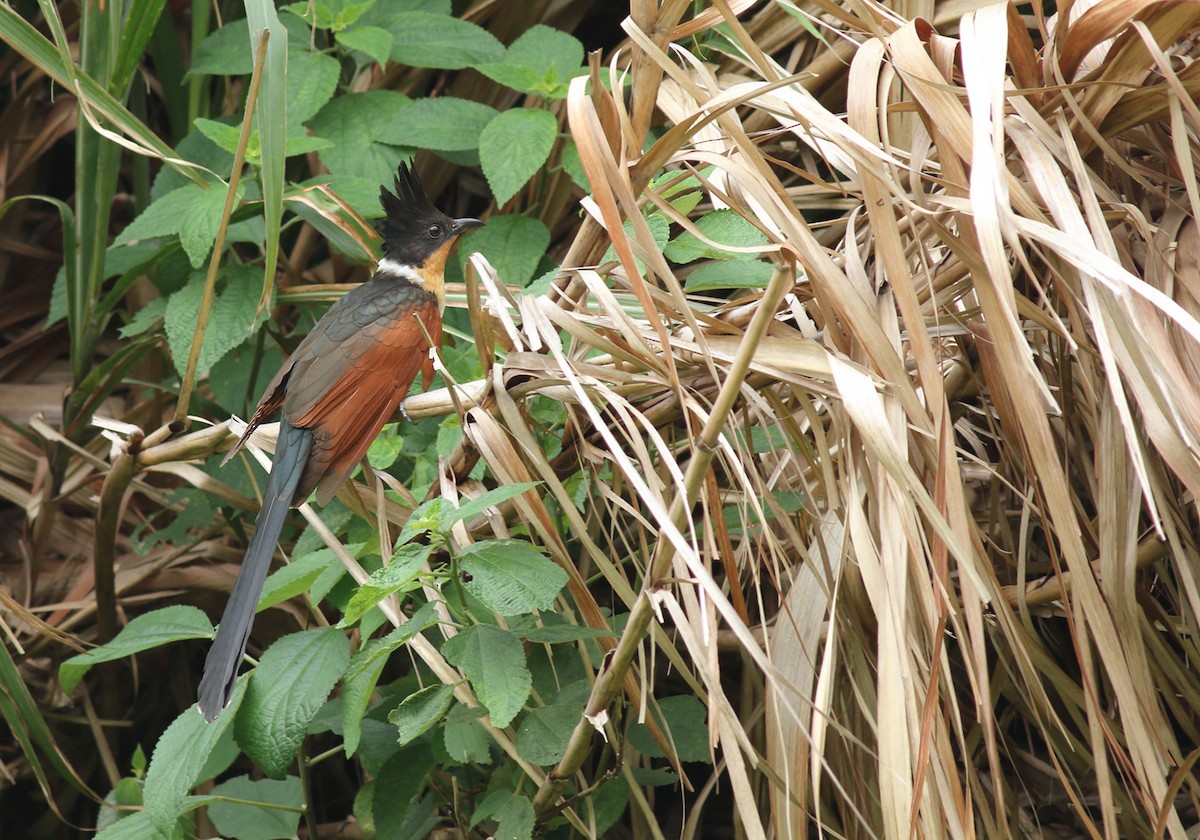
{"type": "Point", "coordinates": [681, 719]}
{"type": "Point", "coordinates": [312, 78]}
{"type": "Point", "coordinates": [289, 686]}
{"type": "Point", "coordinates": [400, 574]}
{"type": "Point", "coordinates": [372, 40]}
{"type": "Point", "coordinates": [400, 779]}
{"type": "Point", "coordinates": [515, 76]}
{"type": "Point", "coordinates": [515, 820]}
{"type": "Point", "coordinates": [439, 41]}
{"type": "Point", "coordinates": [542, 61]}
{"type": "Point", "coordinates": [198, 228]}
{"type": "Point", "coordinates": [548, 50]}
{"type": "Point", "coordinates": [125, 797]}
{"type": "Point", "coordinates": [514, 147]}
{"type": "Point", "coordinates": [364, 669]}
{"type": "Point", "coordinates": [729, 274]}
{"type": "Point", "coordinates": [511, 577]}
{"type": "Point", "coordinates": [145, 319]}
{"type": "Point", "coordinates": [419, 711]}
{"type": "Point", "coordinates": [723, 226]}
{"type": "Point", "coordinates": [444, 124]}
{"type": "Point", "coordinates": [494, 661]}
{"type": "Point", "coordinates": [386, 448]}
{"type": "Point", "coordinates": [573, 166]}
{"type": "Point", "coordinates": [193, 212]}
{"type": "Point", "coordinates": [608, 804]}
{"type": "Point", "coordinates": [151, 630]}
{"type": "Point", "coordinates": [224, 52]}
{"type": "Point", "coordinates": [488, 499]}
{"type": "Point", "coordinates": [354, 123]}
{"type": "Point", "coordinates": [135, 826]}
{"type": "Point", "coordinates": [179, 757]}
{"type": "Point", "coordinates": [58, 299]}
{"type": "Point", "coordinates": [545, 732]}
{"type": "Point", "coordinates": [276, 818]}
{"type": "Point", "coordinates": [313, 13]}
{"type": "Point", "coordinates": [660, 229]}
{"type": "Point", "coordinates": [223, 134]}
{"type": "Point", "coordinates": [465, 740]}
{"type": "Point", "coordinates": [233, 318]}
{"type": "Point", "coordinates": [555, 634]}
{"type": "Point", "coordinates": [330, 14]}
{"type": "Point", "coordinates": [514, 245]}
{"type": "Point", "coordinates": [293, 579]}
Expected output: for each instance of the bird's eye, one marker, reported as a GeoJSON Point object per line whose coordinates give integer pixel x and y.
{"type": "Point", "coordinates": [434, 231]}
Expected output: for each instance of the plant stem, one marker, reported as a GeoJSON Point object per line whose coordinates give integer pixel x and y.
{"type": "Point", "coordinates": [210, 282]}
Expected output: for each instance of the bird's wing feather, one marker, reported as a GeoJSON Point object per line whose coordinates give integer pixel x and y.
{"type": "Point", "coordinates": [349, 392]}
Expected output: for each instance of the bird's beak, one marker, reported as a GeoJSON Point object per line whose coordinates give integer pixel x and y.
{"type": "Point", "coordinates": [464, 225]}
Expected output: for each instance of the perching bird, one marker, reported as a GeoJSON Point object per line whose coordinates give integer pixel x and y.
{"type": "Point", "coordinates": [343, 383]}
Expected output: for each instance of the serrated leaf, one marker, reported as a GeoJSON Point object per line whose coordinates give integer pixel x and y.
{"type": "Point", "coordinates": [511, 577]}
{"type": "Point", "coordinates": [573, 166]}
{"type": "Point", "coordinates": [224, 135]}
{"type": "Point", "coordinates": [400, 779]}
{"type": "Point", "coordinates": [547, 49]}
{"type": "Point", "coordinates": [514, 245]}
{"type": "Point", "coordinates": [288, 688]}
{"type": "Point", "coordinates": [312, 78]}
{"type": "Point", "coordinates": [179, 757]}
{"type": "Point", "coordinates": [386, 448]}
{"type": "Point", "coordinates": [490, 498]}
{"type": "Point", "coordinates": [494, 661]}
{"type": "Point", "coordinates": [681, 719]}
{"type": "Point", "coordinates": [371, 40]}
{"type": "Point", "coordinates": [545, 732]}
{"type": "Point", "coordinates": [514, 147]}
{"type": "Point", "coordinates": [400, 573]}
{"type": "Point", "coordinates": [233, 318]}
{"type": "Point", "coordinates": [198, 228]}
{"type": "Point", "coordinates": [291, 580]}
{"type": "Point", "coordinates": [514, 76]}
{"type": "Point", "coordinates": [464, 738]}
{"type": "Point", "coordinates": [449, 434]}
{"type": "Point", "coordinates": [364, 669]}
{"type": "Point", "coordinates": [276, 818]}
{"type": "Point", "coordinates": [556, 634]}
{"type": "Point", "coordinates": [419, 711]}
{"type": "Point", "coordinates": [330, 14]}
{"type": "Point", "coordinates": [660, 229]}
{"type": "Point", "coordinates": [151, 630]}
{"type": "Point", "coordinates": [542, 61]}
{"type": "Point", "coordinates": [723, 226]}
{"type": "Point", "coordinates": [729, 274]}
{"type": "Point", "coordinates": [225, 52]}
{"type": "Point", "coordinates": [135, 826]}
{"type": "Point", "coordinates": [167, 215]}
{"type": "Point", "coordinates": [440, 41]}
{"type": "Point", "coordinates": [515, 820]}
{"type": "Point", "coordinates": [444, 124]}
{"type": "Point", "coordinates": [354, 122]}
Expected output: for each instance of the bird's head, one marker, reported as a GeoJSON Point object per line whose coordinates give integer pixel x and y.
{"type": "Point", "coordinates": [417, 237]}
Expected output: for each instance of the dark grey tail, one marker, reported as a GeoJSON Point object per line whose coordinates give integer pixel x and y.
{"type": "Point", "coordinates": [225, 655]}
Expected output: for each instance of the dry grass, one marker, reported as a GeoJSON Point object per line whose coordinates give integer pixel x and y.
{"type": "Point", "coordinates": [976, 362]}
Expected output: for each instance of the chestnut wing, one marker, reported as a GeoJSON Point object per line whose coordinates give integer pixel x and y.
{"type": "Point", "coordinates": [350, 383]}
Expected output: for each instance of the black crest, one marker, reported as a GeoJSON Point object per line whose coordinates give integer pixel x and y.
{"type": "Point", "coordinates": [412, 227]}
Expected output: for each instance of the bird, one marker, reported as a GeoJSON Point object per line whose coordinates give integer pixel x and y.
{"type": "Point", "coordinates": [344, 381]}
